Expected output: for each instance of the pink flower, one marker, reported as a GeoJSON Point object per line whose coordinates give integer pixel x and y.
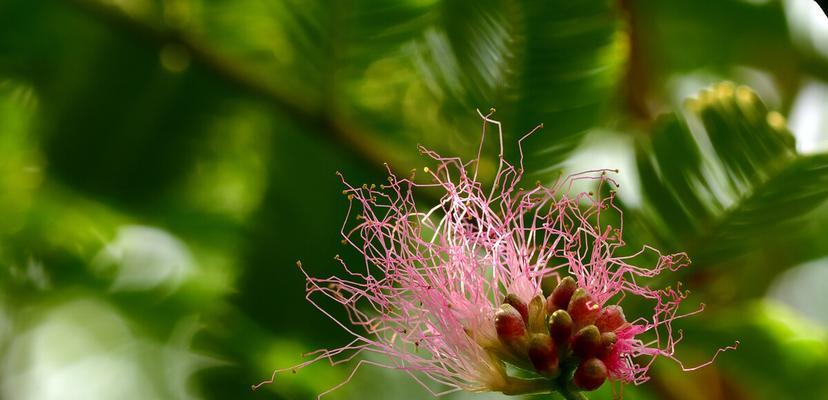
{"type": "Point", "coordinates": [451, 294]}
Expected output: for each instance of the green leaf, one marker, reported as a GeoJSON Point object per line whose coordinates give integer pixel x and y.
{"type": "Point", "coordinates": [312, 46]}
{"type": "Point", "coordinates": [21, 164]}
{"type": "Point", "coordinates": [415, 71]}
{"type": "Point", "coordinates": [780, 355]}
{"type": "Point", "coordinates": [535, 62]}
{"type": "Point", "coordinates": [723, 171]}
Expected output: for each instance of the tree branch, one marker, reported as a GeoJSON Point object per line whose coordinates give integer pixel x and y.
{"type": "Point", "coordinates": [336, 129]}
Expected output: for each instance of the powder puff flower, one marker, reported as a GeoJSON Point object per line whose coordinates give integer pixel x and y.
{"type": "Point", "coordinates": [452, 295]}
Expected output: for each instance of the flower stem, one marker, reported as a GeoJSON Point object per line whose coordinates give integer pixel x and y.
{"type": "Point", "coordinates": [569, 394]}
{"type": "Point", "coordinates": [516, 386]}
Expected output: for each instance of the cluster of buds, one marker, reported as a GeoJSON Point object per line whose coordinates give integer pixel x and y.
{"type": "Point", "coordinates": [566, 335]}
{"type": "Point", "coordinates": [427, 292]}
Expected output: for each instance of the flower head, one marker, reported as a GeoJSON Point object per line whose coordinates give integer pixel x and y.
{"type": "Point", "coordinates": [453, 293]}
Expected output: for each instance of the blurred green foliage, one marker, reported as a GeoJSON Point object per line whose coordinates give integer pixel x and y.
{"type": "Point", "coordinates": [163, 164]}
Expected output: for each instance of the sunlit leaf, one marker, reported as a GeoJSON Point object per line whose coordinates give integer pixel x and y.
{"type": "Point", "coordinates": [725, 170]}
{"type": "Point", "coordinates": [779, 355]}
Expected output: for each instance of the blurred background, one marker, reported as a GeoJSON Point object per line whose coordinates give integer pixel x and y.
{"type": "Point", "coordinates": [164, 163]}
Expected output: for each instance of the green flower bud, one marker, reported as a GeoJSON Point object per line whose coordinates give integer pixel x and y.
{"type": "Point", "coordinates": [537, 315]}
{"type": "Point", "coordinates": [560, 326]}
{"type": "Point", "coordinates": [608, 340]}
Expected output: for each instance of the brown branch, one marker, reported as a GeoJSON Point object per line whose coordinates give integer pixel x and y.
{"type": "Point", "coordinates": [636, 85]}
{"type": "Point", "coordinates": [371, 151]}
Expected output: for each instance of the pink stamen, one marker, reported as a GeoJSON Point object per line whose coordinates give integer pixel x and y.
{"type": "Point", "coordinates": [431, 281]}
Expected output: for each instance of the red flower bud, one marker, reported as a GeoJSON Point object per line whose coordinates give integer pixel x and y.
{"type": "Point", "coordinates": [587, 342]}
{"type": "Point", "coordinates": [544, 356]}
{"type": "Point", "coordinates": [583, 310]}
{"type": "Point", "coordinates": [590, 374]}
{"type": "Point", "coordinates": [519, 305]}
{"type": "Point", "coordinates": [610, 319]}
{"type": "Point", "coordinates": [559, 299]}
{"type": "Point", "coordinates": [509, 324]}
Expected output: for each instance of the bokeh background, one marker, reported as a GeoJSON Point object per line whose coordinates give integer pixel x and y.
{"type": "Point", "coordinates": [163, 164]}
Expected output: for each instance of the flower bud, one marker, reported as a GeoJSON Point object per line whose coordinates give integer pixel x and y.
{"type": "Point", "coordinates": [544, 356]}
{"type": "Point", "coordinates": [587, 342]}
{"type": "Point", "coordinates": [559, 299]}
{"type": "Point", "coordinates": [590, 374]}
{"type": "Point", "coordinates": [610, 319]}
{"type": "Point", "coordinates": [518, 304]}
{"type": "Point", "coordinates": [560, 326]}
{"type": "Point", "coordinates": [509, 324]}
{"type": "Point", "coordinates": [537, 315]}
{"type": "Point", "coordinates": [582, 308]}
{"type": "Point", "coordinates": [608, 340]}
